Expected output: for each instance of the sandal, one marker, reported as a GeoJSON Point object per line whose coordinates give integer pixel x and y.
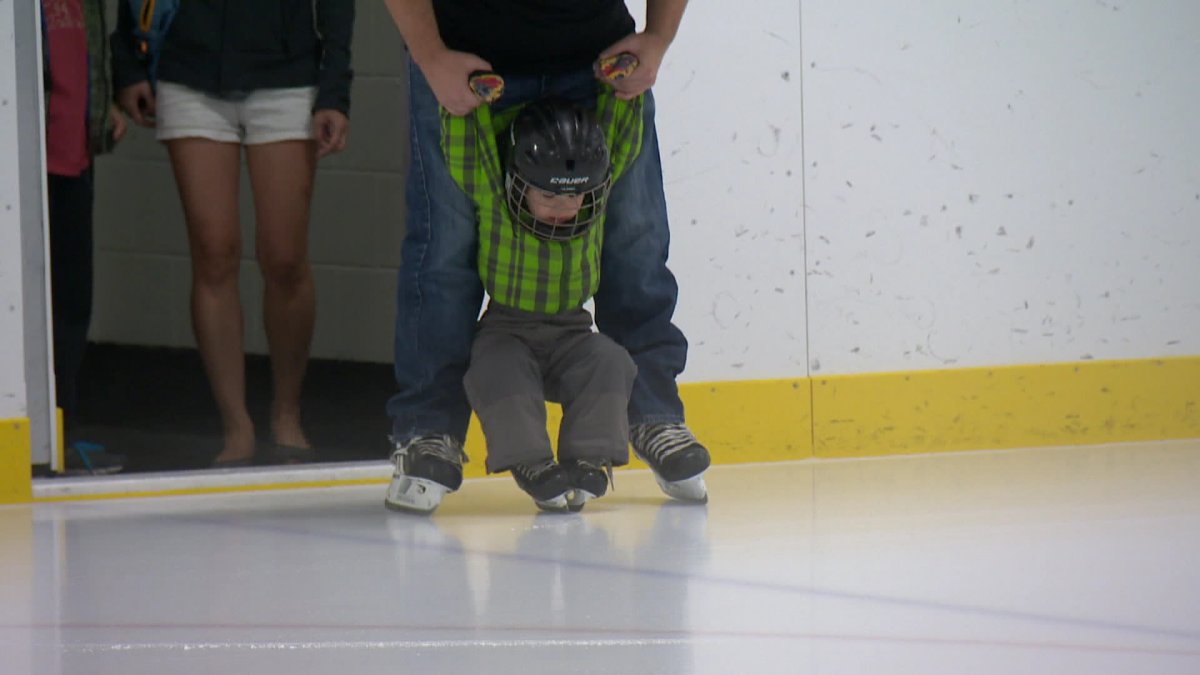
{"type": "Point", "coordinates": [278, 453]}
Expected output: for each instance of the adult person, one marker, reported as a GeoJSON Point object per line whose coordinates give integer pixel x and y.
{"type": "Point", "coordinates": [272, 77]}
{"type": "Point", "coordinates": [541, 49]}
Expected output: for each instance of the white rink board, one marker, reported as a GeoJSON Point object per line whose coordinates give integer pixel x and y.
{"type": "Point", "coordinates": [997, 183]}
{"type": "Point", "coordinates": [730, 135]}
{"type": "Point", "coordinates": [12, 339]}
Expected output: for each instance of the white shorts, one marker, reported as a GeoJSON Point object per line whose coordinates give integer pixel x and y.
{"type": "Point", "coordinates": [263, 116]}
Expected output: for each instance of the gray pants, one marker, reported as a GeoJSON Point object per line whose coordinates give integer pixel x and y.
{"type": "Point", "coordinates": [520, 360]}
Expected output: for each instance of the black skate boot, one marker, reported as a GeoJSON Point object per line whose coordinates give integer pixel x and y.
{"type": "Point", "coordinates": [676, 458]}
{"type": "Point", "coordinates": [546, 482]}
{"type": "Point", "coordinates": [427, 467]}
{"type": "Point", "coordinates": [589, 480]}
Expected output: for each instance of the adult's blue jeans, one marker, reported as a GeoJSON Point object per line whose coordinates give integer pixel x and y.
{"type": "Point", "coordinates": [439, 292]}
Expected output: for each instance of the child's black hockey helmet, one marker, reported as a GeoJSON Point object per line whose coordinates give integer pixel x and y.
{"type": "Point", "coordinates": [557, 147]}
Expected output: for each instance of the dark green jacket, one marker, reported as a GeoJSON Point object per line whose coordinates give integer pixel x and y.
{"type": "Point", "coordinates": [229, 46]}
{"type": "Point", "coordinates": [99, 93]}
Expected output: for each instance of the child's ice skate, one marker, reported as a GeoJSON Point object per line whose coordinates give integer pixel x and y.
{"type": "Point", "coordinates": [427, 467]}
{"type": "Point", "coordinates": [589, 480]}
{"type": "Point", "coordinates": [546, 482]}
{"type": "Point", "coordinates": [676, 458]}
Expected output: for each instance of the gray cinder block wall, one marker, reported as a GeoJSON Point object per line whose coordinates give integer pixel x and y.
{"type": "Point", "coordinates": [142, 264]}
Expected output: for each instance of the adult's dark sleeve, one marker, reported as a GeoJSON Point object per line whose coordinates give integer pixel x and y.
{"type": "Point", "coordinates": [335, 25]}
{"type": "Point", "coordinates": [127, 68]}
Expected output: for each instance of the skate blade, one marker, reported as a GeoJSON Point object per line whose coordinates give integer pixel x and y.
{"type": "Point", "coordinates": [691, 490]}
{"type": "Point", "coordinates": [557, 505]}
{"type": "Point", "coordinates": [414, 495]}
{"type": "Point", "coordinates": [577, 498]}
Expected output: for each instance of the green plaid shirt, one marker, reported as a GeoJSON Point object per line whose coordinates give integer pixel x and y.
{"type": "Point", "coordinates": [518, 269]}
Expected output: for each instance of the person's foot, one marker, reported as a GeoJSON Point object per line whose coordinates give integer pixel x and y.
{"type": "Point", "coordinates": [289, 446]}
{"type": "Point", "coordinates": [589, 480]}
{"type": "Point", "coordinates": [238, 449]}
{"type": "Point", "coordinates": [287, 431]}
{"type": "Point", "coordinates": [84, 458]}
{"type": "Point", "coordinates": [676, 458]}
{"type": "Point", "coordinates": [545, 481]}
{"type": "Point", "coordinates": [426, 468]}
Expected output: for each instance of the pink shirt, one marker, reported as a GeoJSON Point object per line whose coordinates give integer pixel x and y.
{"type": "Point", "coordinates": [66, 126]}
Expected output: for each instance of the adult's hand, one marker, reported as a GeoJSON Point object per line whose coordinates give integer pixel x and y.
{"type": "Point", "coordinates": [137, 100]}
{"type": "Point", "coordinates": [447, 72]}
{"type": "Point", "coordinates": [331, 128]}
{"type": "Point", "coordinates": [649, 49]}
{"type": "Point", "coordinates": [118, 125]}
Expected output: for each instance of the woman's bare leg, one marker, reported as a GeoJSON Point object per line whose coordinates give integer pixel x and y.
{"type": "Point", "coordinates": [281, 175]}
{"type": "Point", "coordinates": [206, 173]}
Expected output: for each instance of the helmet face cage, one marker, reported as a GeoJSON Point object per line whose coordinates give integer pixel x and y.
{"type": "Point", "coordinates": [590, 211]}
{"type": "Point", "coordinates": [557, 148]}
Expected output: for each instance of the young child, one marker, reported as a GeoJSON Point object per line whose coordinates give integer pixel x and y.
{"type": "Point", "coordinates": [81, 123]}
{"type": "Point", "coordinates": [541, 218]}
